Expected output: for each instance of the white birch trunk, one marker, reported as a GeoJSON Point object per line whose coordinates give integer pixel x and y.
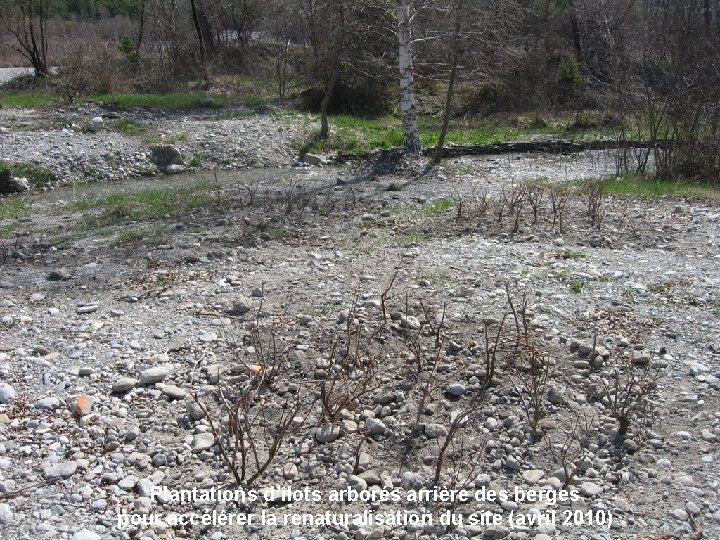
{"type": "Point", "coordinates": [407, 90]}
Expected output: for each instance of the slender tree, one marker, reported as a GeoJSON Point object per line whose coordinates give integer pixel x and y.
{"type": "Point", "coordinates": [26, 21]}
{"type": "Point", "coordinates": [411, 136]}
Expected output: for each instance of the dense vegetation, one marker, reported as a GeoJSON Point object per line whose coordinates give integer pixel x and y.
{"type": "Point", "coordinates": [645, 69]}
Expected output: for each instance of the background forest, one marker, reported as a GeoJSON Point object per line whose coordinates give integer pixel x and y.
{"type": "Point", "coordinates": [639, 69]}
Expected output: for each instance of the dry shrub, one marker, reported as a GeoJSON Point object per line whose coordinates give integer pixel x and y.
{"type": "Point", "coordinates": [91, 70]}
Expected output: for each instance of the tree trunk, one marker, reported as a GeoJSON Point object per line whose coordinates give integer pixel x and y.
{"type": "Point", "coordinates": [707, 15]}
{"type": "Point", "coordinates": [448, 105]}
{"type": "Point", "coordinates": [198, 30]}
{"type": "Point", "coordinates": [141, 26]}
{"type": "Point", "coordinates": [411, 136]}
{"type": "Point", "coordinates": [324, 127]}
{"type": "Point", "coordinates": [575, 29]}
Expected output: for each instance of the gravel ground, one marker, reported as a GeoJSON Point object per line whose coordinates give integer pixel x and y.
{"type": "Point", "coordinates": [230, 138]}
{"type": "Point", "coordinates": [350, 307]}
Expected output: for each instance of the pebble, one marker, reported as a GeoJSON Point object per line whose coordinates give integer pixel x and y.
{"type": "Point", "coordinates": [433, 431]}
{"type": "Point", "coordinates": [83, 405]}
{"type": "Point", "coordinates": [63, 469]}
{"type": "Point", "coordinates": [195, 411]}
{"type": "Point", "coordinates": [241, 305]}
{"type": "Point", "coordinates": [679, 514]}
{"type": "Point", "coordinates": [590, 490]}
{"type": "Point", "coordinates": [456, 389]}
{"type": "Point", "coordinates": [85, 535]}
{"type": "Point", "coordinates": [154, 375]}
{"type": "Point", "coordinates": [203, 441]}
{"type": "Point", "coordinates": [173, 392]}
{"type": "Point", "coordinates": [47, 403]}
{"type": "Point", "coordinates": [6, 513]}
{"type": "Point", "coordinates": [533, 476]}
{"type": "Point", "coordinates": [375, 426]}
{"type": "Point", "coordinates": [7, 393]}
{"type": "Point", "coordinates": [123, 385]}
{"type": "Point", "coordinates": [60, 274]}
{"type": "Point", "coordinates": [327, 433]}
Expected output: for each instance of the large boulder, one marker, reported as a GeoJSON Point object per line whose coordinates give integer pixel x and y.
{"type": "Point", "coordinates": [164, 155]}
{"type": "Point", "coordinates": [8, 184]}
{"type": "Point", "coordinates": [96, 124]}
{"type": "Point", "coordinates": [21, 185]}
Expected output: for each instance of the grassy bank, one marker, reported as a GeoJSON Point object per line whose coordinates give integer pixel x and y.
{"type": "Point", "coordinates": [632, 185]}
{"type": "Point", "coordinates": [356, 135]}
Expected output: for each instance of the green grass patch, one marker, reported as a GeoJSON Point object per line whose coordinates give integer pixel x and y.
{"type": "Point", "coordinates": [176, 100]}
{"type": "Point", "coordinates": [128, 126]}
{"type": "Point", "coordinates": [568, 253]}
{"type": "Point", "coordinates": [436, 206]}
{"type": "Point", "coordinates": [278, 233]}
{"type": "Point", "coordinates": [435, 279]}
{"type": "Point", "coordinates": [142, 205]}
{"type": "Point", "coordinates": [356, 135]}
{"type": "Point", "coordinates": [576, 285]}
{"type": "Point", "coordinates": [409, 237]}
{"type": "Point", "coordinates": [647, 187]}
{"type": "Point", "coordinates": [26, 100]}
{"type": "Point", "coordinates": [37, 175]}
{"type": "Point", "coordinates": [146, 235]}
{"type": "Point", "coordinates": [13, 208]}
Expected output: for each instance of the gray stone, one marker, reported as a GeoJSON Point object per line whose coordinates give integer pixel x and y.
{"type": "Point", "coordinates": [82, 310]}
{"type": "Point", "coordinates": [435, 430]}
{"type": "Point", "coordinates": [590, 490]}
{"type": "Point", "coordinates": [410, 322]}
{"type": "Point", "coordinates": [533, 476]}
{"type": "Point", "coordinates": [7, 393]}
{"type": "Point", "coordinates": [163, 155]}
{"type": "Point", "coordinates": [372, 478]}
{"type": "Point", "coordinates": [96, 124]}
{"type": "Point", "coordinates": [144, 487]}
{"type": "Point", "coordinates": [357, 483]}
{"type": "Point", "coordinates": [289, 471]}
{"type": "Point", "coordinates": [241, 305]}
{"type": "Point", "coordinates": [679, 514]}
{"type": "Point", "coordinates": [174, 169]}
{"type": "Point", "coordinates": [123, 385]}
{"type": "Point", "coordinates": [64, 469]}
{"type": "Point", "coordinates": [173, 392]}
{"type": "Point", "coordinates": [408, 480]}
{"type": "Point", "coordinates": [6, 513]}
{"type": "Point", "coordinates": [154, 375]}
{"type": "Point", "coordinates": [61, 274]}
{"type": "Point", "coordinates": [203, 441]}
{"type": "Point", "coordinates": [85, 535]}
{"type": "Point", "coordinates": [47, 403]}
{"type": "Point", "coordinates": [195, 411]}
{"type": "Point", "coordinates": [375, 426]}
{"type": "Point", "coordinates": [20, 184]}
{"type": "Point", "coordinates": [456, 389]}
{"type": "Point", "coordinates": [312, 159]}
{"type": "Point", "coordinates": [327, 433]}
{"type": "Point", "coordinates": [640, 358]}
